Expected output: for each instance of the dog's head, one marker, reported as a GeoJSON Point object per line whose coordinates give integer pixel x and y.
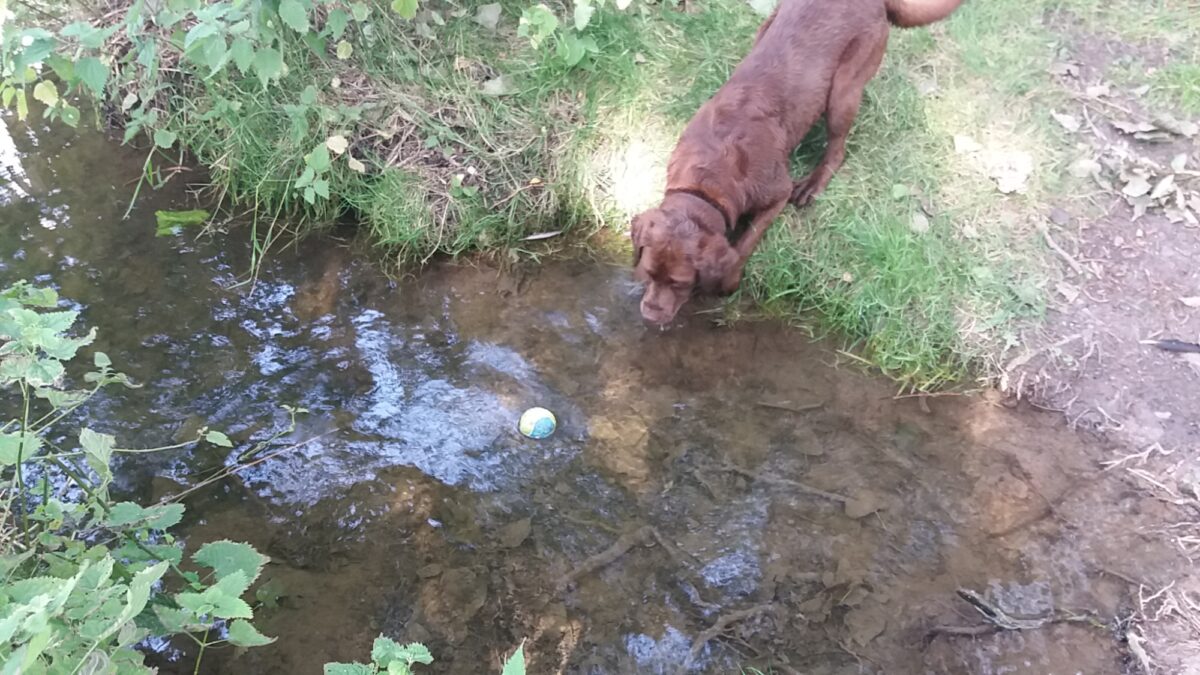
{"type": "Point", "coordinates": [674, 257]}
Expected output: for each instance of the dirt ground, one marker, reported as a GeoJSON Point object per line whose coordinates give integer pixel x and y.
{"type": "Point", "coordinates": [1128, 275]}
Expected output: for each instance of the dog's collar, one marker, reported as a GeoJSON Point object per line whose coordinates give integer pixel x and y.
{"type": "Point", "coordinates": [704, 197]}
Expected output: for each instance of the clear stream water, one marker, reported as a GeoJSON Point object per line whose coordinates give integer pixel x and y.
{"type": "Point", "coordinates": [772, 479]}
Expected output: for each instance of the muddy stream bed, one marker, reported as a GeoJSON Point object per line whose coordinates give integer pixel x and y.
{"type": "Point", "coordinates": [826, 526]}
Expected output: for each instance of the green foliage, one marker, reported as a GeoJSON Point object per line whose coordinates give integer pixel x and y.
{"type": "Point", "coordinates": [81, 587]}
{"type": "Point", "coordinates": [389, 656]}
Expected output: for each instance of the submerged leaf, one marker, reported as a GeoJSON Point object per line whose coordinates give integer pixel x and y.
{"type": "Point", "coordinates": [349, 669]}
{"type": "Point", "coordinates": [218, 438]}
{"type": "Point", "coordinates": [169, 222]}
{"type": "Point", "coordinates": [227, 557]}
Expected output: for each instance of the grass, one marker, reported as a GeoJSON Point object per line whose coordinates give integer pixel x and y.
{"type": "Point", "coordinates": [912, 256]}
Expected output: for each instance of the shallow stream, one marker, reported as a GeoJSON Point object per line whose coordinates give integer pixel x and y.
{"type": "Point", "coordinates": [824, 524]}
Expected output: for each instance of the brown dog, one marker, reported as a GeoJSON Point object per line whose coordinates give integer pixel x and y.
{"type": "Point", "coordinates": [728, 177]}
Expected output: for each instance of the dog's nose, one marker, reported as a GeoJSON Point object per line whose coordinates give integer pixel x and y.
{"type": "Point", "coordinates": [655, 315]}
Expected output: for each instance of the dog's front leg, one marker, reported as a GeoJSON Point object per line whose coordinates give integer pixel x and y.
{"type": "Point", "coordinates": [748, 242]}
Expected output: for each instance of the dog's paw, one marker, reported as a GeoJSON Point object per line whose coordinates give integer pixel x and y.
{"type": "Point", "coordinates": [803, 193]}
{"type": "Point", "coordinates": [805, 190]}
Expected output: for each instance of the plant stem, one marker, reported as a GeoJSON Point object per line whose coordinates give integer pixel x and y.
{"type": "Point", "coordinates": [20, 497]}
{"type": "Point", "coordinates": [200, 656]}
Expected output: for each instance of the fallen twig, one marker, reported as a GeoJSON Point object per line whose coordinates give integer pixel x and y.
{"type": "Point", "coordinates": [1018, 361]}
{"type": "Point", "coordinates": [1070, 260]}
{"type": "Point", "coordinates": [784, 482]}
{"type": "Point", "coordinates": [998, 619]}
{"type": "Point", "coordinates": [229, 471]}
{"type": "Point", "coordinates": [786, 407]}
{"type": "Point", "coordinates": [641, 536]}
{"type": "Point", "coordinates": [961, 631]}
{"type": "Point", "coordinates": [719, 626]}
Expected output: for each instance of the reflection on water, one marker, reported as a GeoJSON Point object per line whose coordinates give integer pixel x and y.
{"type": "Point", "coordinates": [771, 479]}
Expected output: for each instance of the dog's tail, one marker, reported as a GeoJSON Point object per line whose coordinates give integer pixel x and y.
{"type": "Point", "coordinates": [913, 13]}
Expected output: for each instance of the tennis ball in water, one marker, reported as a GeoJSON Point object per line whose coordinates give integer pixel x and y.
{"type": "Point", "coordinates": [537, 423]}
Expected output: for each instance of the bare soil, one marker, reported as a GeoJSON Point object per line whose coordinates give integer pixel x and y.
{"type": "Point", "coordinates": [1127, 278]}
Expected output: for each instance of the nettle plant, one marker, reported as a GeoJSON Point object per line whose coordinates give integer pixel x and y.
{"type": "Point", "coordinates": [144, 59]}
{"type": "Point", "coordinates": [139, 59]}
{"type": "Point", "coordinates": [84, 578]}
{"type": "Point", "coordinates": [388, 656]}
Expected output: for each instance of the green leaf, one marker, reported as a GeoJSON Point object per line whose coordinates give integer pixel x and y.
{"type": "Point", "coordinates": [138, 594]}
{"type": "Point", "coordinates": [344, 50]}
{"type": "Point", "coordinates": [218, 438]}
{"type": "Point", "coordinates": [169, 552]}
{"type": "Point", "coordinates": [231, 607]}
{"type": "Point", "coordinates": [243, 634]}
{"type": "Point", "coordinates": [22, 105]}
{"type": "Point", "coordinates": [214, 54]}
{"type": "Point", "coordinates": [318, 160]}
{"type": "Point", "coordinates": [18, 444]}
{"type": "Point", "coordinates": [570, 50]}
{"type": "Point", "coordinates": [537, 23]}
{"type": "Point", "coordinates": [407, 9]}
{"type": "Point", "coordinates": [360, 11]}
{"type": "Point", "coordinates": [165, 139]}
{"type": "Point", "coordinates": [310, 195]}
{"type": "Point", "coordinates": [294, 15]}
{"type": "Point", "coordinates": [583, 13]}
{"type": "Point", "coordinates": [46, 92]}
{"type": "Point", "coordinates": [36, 372]}
{"type": "Point", "coordinates": [320, 186]}
{"type": "Point", "coordinates": [386, 650]}
{"type": "Point", "coordinates": [63, 67]}
{"type": "Point", "coordinates": [164, 516]}
{"type": "Point", "coordinates": [61, 398]}
{"type": "Point", "coordinates": [515, 665]}
{"type": "Point", "coordinates": [196, 603]}
{"type": "Point", "coordinates": [242, 53]}
{"type": "Point", "coordinates": [199, 32]}
{"type": "Point", "coordinates": [221, 600]}
{"type": "Point", "coordinates": [306, 178]}
{"type": "Point", "coordinates": [97, 449]}
{"type": "Point", "coordinates": [268, 63]}
{"type": "Point", "coordinates": [124, 513]}
{"type": "Point", "coordinates": [349, 669]}
{"type": "Point", "coordinates": [93, 73]}
{"type": "Point", "coordinates": [38, 45]}
{"type": "Point", "coordinates": [309, 95]}
{"type": "Point", "coordinates": [88, 35]}
{"type": "Point", "coordinates": [229, 557]}
{"type": "Point", "coordinates": [337, 22]}
{"type": "Point", "coordinates": [177, 620]}
{"type": "Point", "coordinates": [101, 360]}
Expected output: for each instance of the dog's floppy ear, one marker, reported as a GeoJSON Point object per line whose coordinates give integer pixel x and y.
{"type": "Point", "coordinates": [716, 264]}
{"type": "Point", "coordinates": [637, 233]}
